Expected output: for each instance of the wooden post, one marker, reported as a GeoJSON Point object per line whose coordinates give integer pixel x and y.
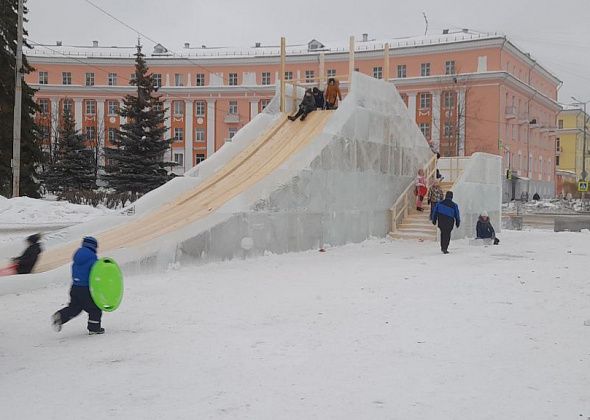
{"type": "Point", "coordinates": [18, 96]}
{"type": "Point", "coordinates": [350, 61]}
{"type": "Point", "coordinates": [322, 70]}
{"type": "Point", "coordinates": [282, 73]}
{"type": "Point", "coordinates": [386, 62]}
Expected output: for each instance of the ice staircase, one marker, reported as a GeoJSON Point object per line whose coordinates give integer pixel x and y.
{"type": "Point", "coordinates": [416, 225]}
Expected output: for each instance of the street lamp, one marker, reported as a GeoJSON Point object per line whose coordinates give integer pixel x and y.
{"type": "Point", "coordinates": [584, 174]}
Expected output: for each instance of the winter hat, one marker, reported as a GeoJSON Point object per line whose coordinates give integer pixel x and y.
{"type": "Point", "coordinates": [90, 242]}
{"type": "Point", "coordinates": [33, 239]}
{"type": "Point", "coordinates": [449, 195]}
{"type": "Point", "coordinates": [484, 214]}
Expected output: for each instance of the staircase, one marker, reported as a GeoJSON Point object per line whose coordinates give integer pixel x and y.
{"type": "Point", "coordinates": [417, 225]}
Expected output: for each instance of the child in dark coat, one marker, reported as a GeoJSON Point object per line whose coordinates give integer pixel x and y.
{"type": "Point", "coordinates": [484, 228]}
{"type": "Point", "coordinates": [80, 298]}
{"type": "Point", "coordinates": [306, 106]}
{"type": "Point", "coordinates": [26, 262]}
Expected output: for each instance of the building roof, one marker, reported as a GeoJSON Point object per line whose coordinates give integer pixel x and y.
{"type": "Point", "coordinates": [311, 47]}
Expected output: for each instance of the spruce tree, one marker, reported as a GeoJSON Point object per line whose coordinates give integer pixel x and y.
{"type": "Point", "coordinates": [72, 169]}
{"type": "Point", "coordinates": [31, 148]}
{"type": "Point", "coordinates": [136, 162]}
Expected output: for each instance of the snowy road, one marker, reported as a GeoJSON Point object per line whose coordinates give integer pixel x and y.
{"type": "Point", "coordinates": [380, 330]}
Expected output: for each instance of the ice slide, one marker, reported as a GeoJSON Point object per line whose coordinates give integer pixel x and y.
{"type": "Point", "coordinates": [282, 186]}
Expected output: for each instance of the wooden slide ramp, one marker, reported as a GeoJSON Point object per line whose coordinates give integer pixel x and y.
{"type": "Point", "coordinates": [254, 163]}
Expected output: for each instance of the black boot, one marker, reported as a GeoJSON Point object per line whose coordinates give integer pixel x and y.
{"type": "Point", "coordinates": [99, 331]}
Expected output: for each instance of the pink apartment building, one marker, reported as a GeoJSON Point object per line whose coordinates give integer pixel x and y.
{"type": "Point", "coordinates": [467, 92]}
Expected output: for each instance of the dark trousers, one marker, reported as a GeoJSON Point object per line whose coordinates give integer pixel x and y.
{"type": "Point", "coordinates": [445, 238]}
{"type": "Point", "coordinates": [80, 300]}
{"type": "Point", "coordinates": [300, 113]}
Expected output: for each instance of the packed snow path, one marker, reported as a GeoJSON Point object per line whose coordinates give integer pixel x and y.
{"type": "Point", "coordinates": [380, 330]}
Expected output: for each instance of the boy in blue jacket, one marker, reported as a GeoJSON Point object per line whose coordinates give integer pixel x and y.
{"type": "Point", "coordinates": [446, 213]}
{"type": "Point", "coordinates": [80, 299]}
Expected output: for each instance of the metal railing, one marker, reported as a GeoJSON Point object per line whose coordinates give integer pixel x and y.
{"type": "Point", "coordinates": [406, 200]}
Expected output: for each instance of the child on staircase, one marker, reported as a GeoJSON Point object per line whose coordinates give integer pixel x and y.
{"type": "Point", "coordinates": [435, 195]}
{"type": "Point", "coordinates": [420, 189]}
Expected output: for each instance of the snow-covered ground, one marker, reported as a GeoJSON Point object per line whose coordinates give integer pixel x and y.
{"type": "Point", "coordinates": [22, 215]}
{"type": "Point", "coordinates": [553, 206]}
{"type": "Point", "coordinates": [380, 330]}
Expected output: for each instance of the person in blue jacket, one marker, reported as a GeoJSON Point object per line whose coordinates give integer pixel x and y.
{"type": "Point", "coordinates": [446, 213]}
{"type": "Point", "coordinates": [80, 298]}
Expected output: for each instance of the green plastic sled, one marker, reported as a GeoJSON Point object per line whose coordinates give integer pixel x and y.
{"type": "Point", "coordinates": [106, 284]}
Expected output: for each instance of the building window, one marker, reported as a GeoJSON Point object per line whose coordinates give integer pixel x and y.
{"type": "Point", "coordinates": [113, 107]}
{"type": "Point", "coordinates": [43, 78]}
{"type": "Point", "coordinates": [233, 79]}
{"type": "Point", "coordinates": [178, 108]}
{"type": "Point", "coordinates": [401, 71]}
{"type": "Point", "coordinates": [425, 100]}
{"type": "Point", "coordinates": [44, 106]}
{"type": "Point", "coordinates": [200, 79]}
{"type": "Point", "coordinates": [178, 134]}
{"type": "Point", "coordinates": [200, 108]}
{"type": "Point", "coordinates": [90, 107]}
{"type": "Point", "coordinates": [112, 134]}
{"type": "Point", "coordinates": [199, 158]}
{"type": "Point", "coordinates": [378, 72]}
{"type": "Point", "coordinates": [179, 159]}
{"type": "Point", "coordinates": [557, 144]}
{"type": "Point", "coordinates": [264, 103]}
{"type": "Point", "coordinates": [448, 131]}
{"type": "Point", "coordinates": [112, 79]}
{"type": "Point", "coordinates": [450, 67]}
{"type": "Point", "coordinates": [89, 79]}
{"type": "Point", "coordinates": [557, 160]}
{"type": "Point", "coordinates": [132, 78]}
{"type": "Point", "coordinates": [200, 134]}
{"type": "Point", "coordinates": [68, 104]}
{"type": "Point", "coordinates": [66, 78]}
{"type": "Point", "coordinates": [449, 100]}
{"type": "Point", "coordinates": [231, 133]}
{"type": "Point", "coordinates": [331, 73]}
{"type": "Point", "coordinates": [157, 80]}
{"type": "Point", "coordinates": [178, 80]}
{"type": "Point", "coordinates": [266, 78]}
{"type": "Point", "coordinates": [425, 128]}
{"type": "Point", "coordinates": [44, 131]}
{"type": "Point", "coordinates": [309, 76]}
{"type": "Point", "coordinates": [560, 124]}
{"type": "Point", "coordinates": [288, 75]}
{"type": "Point", "coordinates": [90, 133]}
{"type": "Point", "coordinates": [233, 107]}
{"type": "Point", "coordinates": [157, 106]}
{"type": "Point", "coordinates": [425, 69]}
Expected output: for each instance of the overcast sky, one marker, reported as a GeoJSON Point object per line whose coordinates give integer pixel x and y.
{"type": "Point", "coordinates": [557, 33]}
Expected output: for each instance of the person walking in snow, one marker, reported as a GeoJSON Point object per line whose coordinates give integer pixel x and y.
{"type": "Point", "coordinates": [447, 214]}
{"type": "Point", "coordinates": [306, 106]}
{"type": "Point", "coordinates": [332, 94]}
{"type": "Point", "coordinates": [435, 196]}
{"type": "Point", "coordinates": [80, 298]}
{"type": "Point", "coordinates": [484, 228]}
{"type": "Point", "coordinates": [420, 189]}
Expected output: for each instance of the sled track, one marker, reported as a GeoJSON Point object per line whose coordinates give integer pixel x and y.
{"type": "Point", "coordinates": [254, 163]}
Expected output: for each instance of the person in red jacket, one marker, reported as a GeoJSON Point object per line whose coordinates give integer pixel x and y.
{"type": "Point", "coordinates": [421, 189]}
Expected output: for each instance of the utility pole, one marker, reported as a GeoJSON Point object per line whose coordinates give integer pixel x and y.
{"type": "Point", "coordinates": [584, 174]}
{"type": "Point", "coordinates": [18, 96]}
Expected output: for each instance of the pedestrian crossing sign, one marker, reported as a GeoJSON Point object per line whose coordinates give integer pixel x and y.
{"type": "Point", "coordinates": [583, 186]}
